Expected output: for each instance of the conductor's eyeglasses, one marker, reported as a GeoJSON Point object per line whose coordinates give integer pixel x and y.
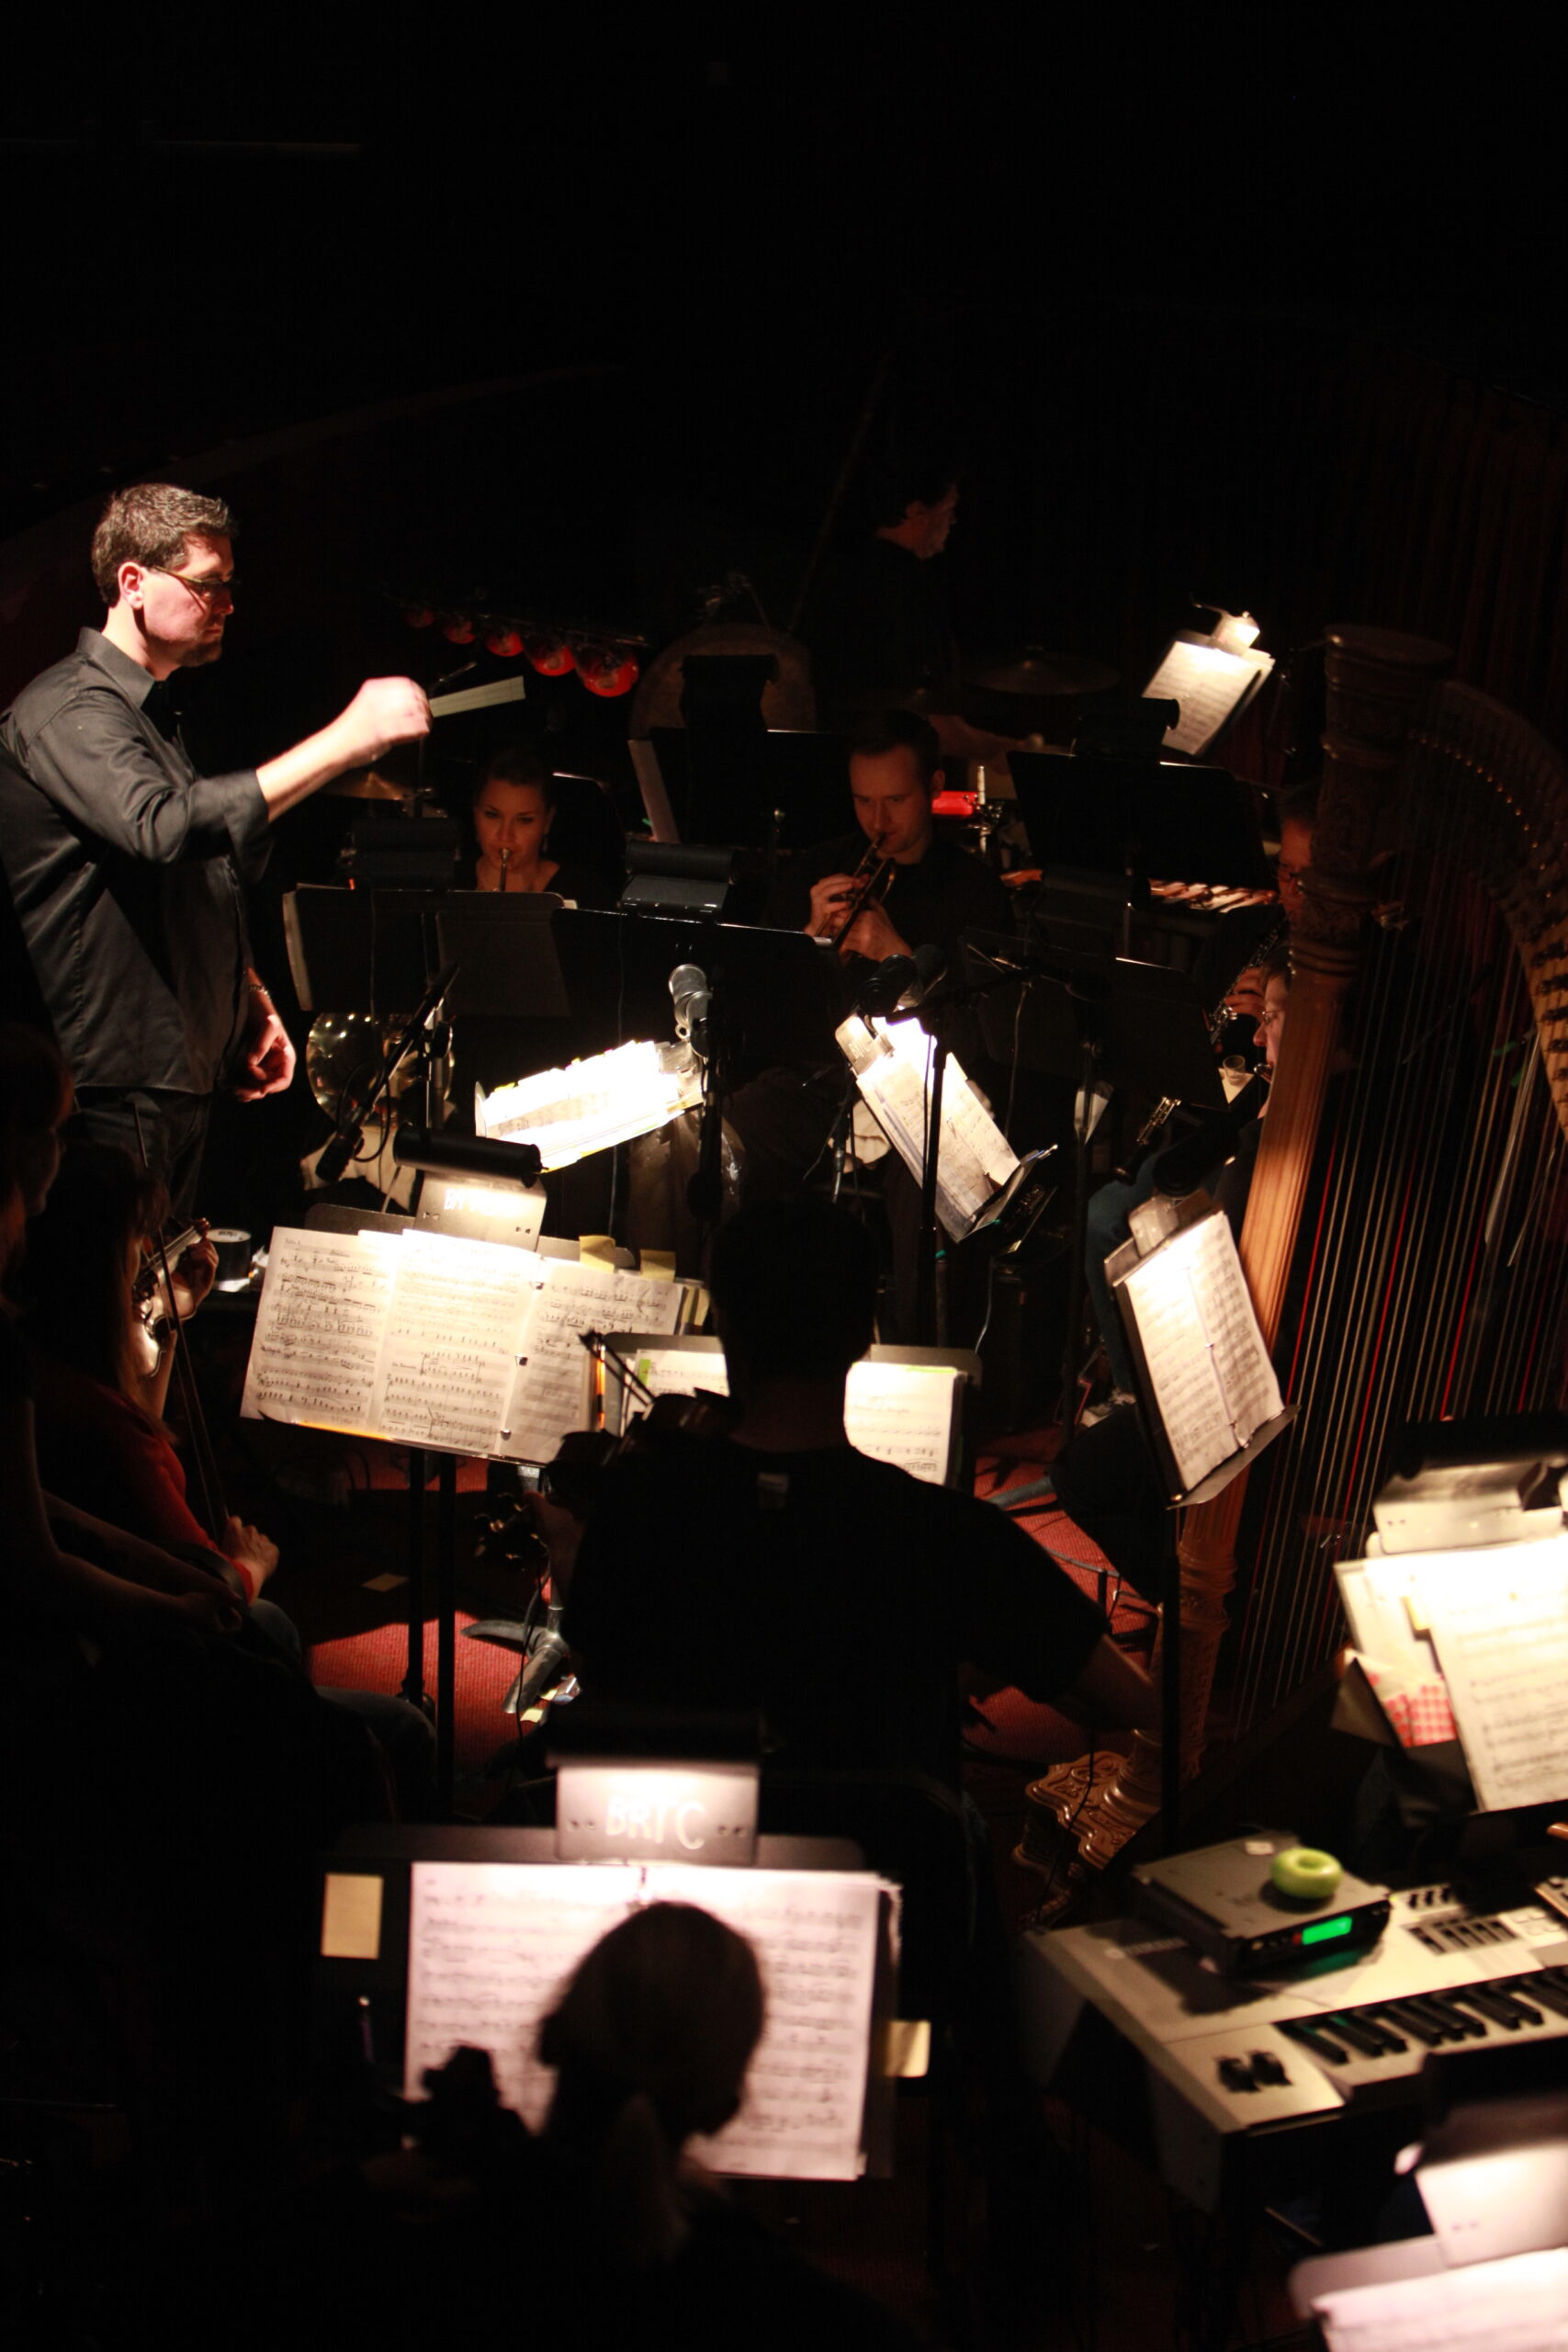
{"type": "Point", "coordinates": [214, 585]}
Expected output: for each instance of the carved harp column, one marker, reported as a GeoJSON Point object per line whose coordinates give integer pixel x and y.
{"type": "Point", "coordinates": [1378, 683]}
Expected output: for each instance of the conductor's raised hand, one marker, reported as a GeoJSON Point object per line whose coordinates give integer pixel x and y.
{"type": "Point", "coordinates": [385, 711]}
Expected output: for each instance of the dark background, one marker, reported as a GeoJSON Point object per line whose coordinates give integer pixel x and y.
{"type": "Point", "coordinates": [1267, 318]}
{"type": "Point", "coordinates": [1189, 299]}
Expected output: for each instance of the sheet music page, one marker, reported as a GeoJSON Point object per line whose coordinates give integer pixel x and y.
{"type": "Point", "coordinates": [319, 1327]}
{"type": "Point", "coordinates": [1519, 2304]}
{"type": "Point", "coordinates": [1499, 1617]}
{"type": "Point", "coordinates": [1181, 1371]}
{"type": "Point", "coordinates": [976, 1159]}
{"type": "Point", "coordinates": [490, 1945]}
{"type": "Point", "coordinates": [552, 1386]}
{"type": "Point", "coordinates": [609, 1098]}
{"type": "Point", "coordinates": [1208, 683]}
{"type": "Point", "coordinates": [1230, 1326]}
{"type": "Point", "coordinates": [1213, 1384]}
{"type": "Point", "coordinates": [453, 1335]}
{"type": "Point", "coordinates": [901, 1413]}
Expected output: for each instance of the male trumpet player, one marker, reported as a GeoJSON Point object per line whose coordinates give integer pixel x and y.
{"type": "Point", "coordinates": [935, 889]}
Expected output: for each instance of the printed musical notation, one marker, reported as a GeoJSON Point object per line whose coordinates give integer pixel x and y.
{"type": "Point", "coordinates": [450, 1349]}
{"type": "Point", "coordinates": [892, 1066]}
{"type": "Point", "coordinates": [1207, 1366]}
{"type": "Point", "coordinates": [467, 1347]}
{"type": "Point", "coordinates": [492, 1945]}
{"type": "Point", "coordinates": [1498, 1615]}
{"type": "Point", "coordinates": [1208, 681]}
{"type": "Point", "coordinates": [317, 1336]}
{"type": "Point", "coordinates": [551, 1391]}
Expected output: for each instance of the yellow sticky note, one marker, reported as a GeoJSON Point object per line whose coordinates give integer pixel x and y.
{"type": "Point", "coordinates": [351, 1916]}
{"type": "Point", "coordinates": [597, 1249]}
{"type": "Point", "coordinates": [1416, 1613]}
{"type": "Point", "coordinates": [659, 1265]}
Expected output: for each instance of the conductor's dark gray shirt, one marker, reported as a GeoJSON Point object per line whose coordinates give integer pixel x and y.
{"type": "Point", "coordinates": [125, 869]}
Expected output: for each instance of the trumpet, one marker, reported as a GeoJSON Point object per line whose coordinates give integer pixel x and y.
{"type": "Point", "coordinates": [870, 884]}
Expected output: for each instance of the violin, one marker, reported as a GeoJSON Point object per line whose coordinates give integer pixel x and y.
{"type": "Point", "coordinates": [159, 1326]}
{"type": "Point", "coordinates": [152, 1311]}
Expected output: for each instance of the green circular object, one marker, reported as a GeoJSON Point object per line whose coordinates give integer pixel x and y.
{"type": "Point", "coordinates": [1305, 1875]}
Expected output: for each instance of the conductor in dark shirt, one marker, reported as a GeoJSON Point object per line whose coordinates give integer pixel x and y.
{"type": "Point", "coordinates": [127, 869]}
{"type": "Point", "coordinates": [878, 628]}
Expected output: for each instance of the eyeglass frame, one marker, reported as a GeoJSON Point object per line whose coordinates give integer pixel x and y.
{"type": "Point", "coordinates": [205, 589]}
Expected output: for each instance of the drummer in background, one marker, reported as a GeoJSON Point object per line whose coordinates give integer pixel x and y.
{"type": "Point", "coordinates": [514, 810]}
{"type": "Point", "coordinates": [878, 628]}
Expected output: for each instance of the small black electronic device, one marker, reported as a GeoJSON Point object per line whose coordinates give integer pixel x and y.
{"type": "Point", "coordinates": [1227, 1903]}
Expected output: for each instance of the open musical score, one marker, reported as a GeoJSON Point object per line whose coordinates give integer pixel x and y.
{"type": "Point", "coordinates": [490, 1945]}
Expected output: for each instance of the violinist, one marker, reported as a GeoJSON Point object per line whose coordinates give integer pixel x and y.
{"type": "Point", "coordinates": [100, 1371]}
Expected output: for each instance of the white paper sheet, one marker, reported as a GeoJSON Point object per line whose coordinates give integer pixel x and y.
{"type": "Point", "coordinates": [589, 1105]}
{"type": "Point", "coordinates": [1213, 1384]}
{"type": "Point", "coordinates": [1519, 2304]}
{"type": "Point", "coordinates": [1499, 1618]}
{"type": "Point", "coordinates": [449, 1354]}
{"type": "Point", "coordinates": [319, 1327]}
{"type": "Point", "coordinates": [490, 1945]}
{"type": "Point", "coordinates": [895, 1412]}
{"type": "Point", "coordinates": [892, 1066]}
{"type": "Point", "coordinates": [1208, 681]}
{"type": "Point", "coordinates": [552, 1387]}
{"type": "Point", "coordinates": [470, 1347]}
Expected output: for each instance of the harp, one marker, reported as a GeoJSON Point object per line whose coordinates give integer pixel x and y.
{"type": "Point", "coordinates": [1404, 1233]}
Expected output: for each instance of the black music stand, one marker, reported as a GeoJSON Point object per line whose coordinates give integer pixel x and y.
{"type": "Point", "coordinates": [502, 945]}
{"type": "Point", "coordinates": [360, 950]}
{"type": "Point", "coordinates": [779, 788]}
{"type": "Point", "coordinates": [1147, 818]}
{"type": "Point", "coordinates": [779, 995]}
{"type": "Point", "coordinates": [1097, 1020]}
{"type": "Point", "coordinates": [1178, 1497]}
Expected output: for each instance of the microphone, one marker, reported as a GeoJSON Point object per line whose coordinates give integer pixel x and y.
{"type": "Point", "coordinates": [341, 1147]}
{"type": "Point", "coordinates": [691, 997]}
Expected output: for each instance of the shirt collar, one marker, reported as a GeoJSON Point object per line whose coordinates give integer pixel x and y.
{"type": "Point", "coordinates": [134, 682]}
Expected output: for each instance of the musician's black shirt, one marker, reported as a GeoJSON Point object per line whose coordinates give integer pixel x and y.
{"type": "Point", "coordinates": [947, 891]}
{"type": "Point", "coordinates": [877, 631]}
{"type": "Point", "coordinates": [125, 869]}
{"type": "Point", "coordinates": [840, 1606]}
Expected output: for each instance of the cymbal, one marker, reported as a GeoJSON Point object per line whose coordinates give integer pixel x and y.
{"type": "Point", "coordinates": [1033, 670]}
{"type": "Point", "coordinates": [364, 784]}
